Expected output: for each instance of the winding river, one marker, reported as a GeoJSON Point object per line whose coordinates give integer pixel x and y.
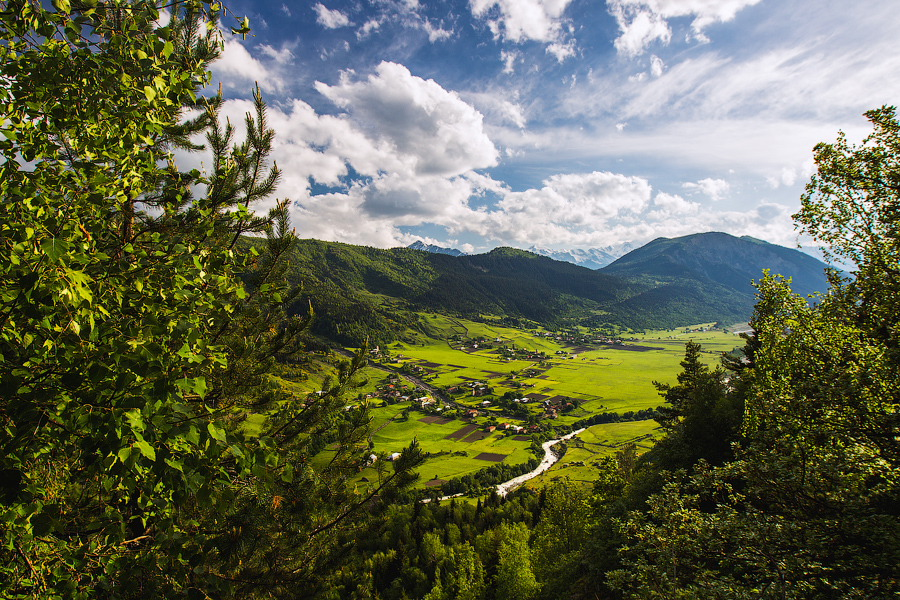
{"type": "Point", "coordinates": [549, 458]}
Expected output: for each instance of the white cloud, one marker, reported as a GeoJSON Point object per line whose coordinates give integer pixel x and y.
{"type": "Point", "coordinates": [330, 19]}
{"type": "Point", "coordinates": [237, 69]}
{"type": "Point", "coordinates": [282, 55]}
{"type": "Point", "coordinates": [367, 28]}
{"type": "Point", "coordinates": [521, 20]}
{"type": "Point", "coordinates": [657, 66]}
{"type": "Point", "coordinates": [562, 51]}
{"type": "Point", "coordinates": [715, 189]}
{"type": "Point", "coordinates": [671, 205]}
{"type": "Point", "coordinates": [285, 9]}
{"type": "Point", "coordinates": [431, 128]}
{"type": "Point", "coordinates": [639, 30]}
{"type": "Point", "coordinates": [435, 33]}
{"type": "Point", "coordinates": [568, 208]}
{"type": "Point", "coordinates": [509, 58]}
{"type": "Point", "coordinates": [643, 22]}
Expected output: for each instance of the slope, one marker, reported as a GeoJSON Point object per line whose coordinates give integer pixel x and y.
{"type": "Point", "coordinates": [712, 272]}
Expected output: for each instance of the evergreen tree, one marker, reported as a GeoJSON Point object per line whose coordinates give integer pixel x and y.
{"type": "Point", "coordinates": [135, 340]}
{"type": "Point", "coordinates": [809, 506]}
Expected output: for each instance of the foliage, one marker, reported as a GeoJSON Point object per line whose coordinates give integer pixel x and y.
{"type": "Point", "coordinates": [808, 507]}
{"type": "Point", "coordinates": [702, 417]}
{"type": "Point", "coordinates": [134, 340]}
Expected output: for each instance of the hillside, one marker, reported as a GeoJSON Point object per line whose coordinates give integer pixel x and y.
{"type": "Point", "coordinates": [360, 292]}
{"type": "Point", "coordinates": [707, 274]}
{"type": "Point", "coordinates": [722, 259]}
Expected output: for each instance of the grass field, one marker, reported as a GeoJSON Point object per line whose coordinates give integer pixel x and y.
{"type": "Point", "coordinates": [601, 378]}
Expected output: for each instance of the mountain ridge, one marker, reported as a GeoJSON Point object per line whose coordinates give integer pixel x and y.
{"type": "Point", "coordinates": [420, 245]}
{"type": "Point", "coordinates": [361, 293]}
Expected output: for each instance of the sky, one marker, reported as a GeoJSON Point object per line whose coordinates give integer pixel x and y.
{"type": "Point", "coordinates": [555, 123]}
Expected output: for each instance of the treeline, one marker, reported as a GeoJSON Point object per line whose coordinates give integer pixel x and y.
{"type": "Point", "coordinates": [612, 417]}
{"type": "Point", "coordinates": [479, 481]}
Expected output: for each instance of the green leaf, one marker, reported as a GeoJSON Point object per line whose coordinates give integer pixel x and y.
{"type": "Point", "coordinates": [193, 385]}
{"type": "Point", "coordinates": [62, 6]}
{"type": "Point", "coordinates": [54, 248]}
{"type": "Point", "coordinates": [215, 432]}
{"type": "Point", "coordinates": [146, 449]}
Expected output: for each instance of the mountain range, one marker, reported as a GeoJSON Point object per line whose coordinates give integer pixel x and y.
{"type": "Point", "coordinates": [362, 292]}
{"type": "Point", "coordinates": [591, 258]}
{"type": "Point", "coordinates": [420, 245]}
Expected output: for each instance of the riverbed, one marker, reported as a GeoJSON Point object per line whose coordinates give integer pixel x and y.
{"type": "Point", "coordinates": [549, 459]}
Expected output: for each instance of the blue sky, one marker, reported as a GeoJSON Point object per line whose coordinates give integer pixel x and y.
{"type": "Point", "coordinates": [557, 123]}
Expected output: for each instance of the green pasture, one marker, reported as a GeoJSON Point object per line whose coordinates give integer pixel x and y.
{"type": "Point", "coordinates": [602, 379]}
{"type": "Point", "coordinates": [457, 457]}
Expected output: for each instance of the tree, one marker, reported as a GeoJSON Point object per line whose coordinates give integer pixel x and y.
{"type": "Point", "coordinates": [134, 339]}
{"type": "Point", "coordinates": [560, 535]}
{"type": "Point", "coordinates": [515, 578]}
{"type": "Point", "coordinates": [809, 506]}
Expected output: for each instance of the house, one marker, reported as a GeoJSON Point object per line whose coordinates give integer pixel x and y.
{"type": "Point", "coordinates": [486, 403]}
{"type": "Point", "coordinates": [394, 456]}
{"type": "Point", "coordinates": [490, 428]}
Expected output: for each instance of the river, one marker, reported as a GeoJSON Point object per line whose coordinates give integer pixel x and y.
{"type": "Point", "coordinates": [549, 458]}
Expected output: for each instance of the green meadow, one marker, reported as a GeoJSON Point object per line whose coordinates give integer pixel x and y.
{"type": "Point", "coordinates": [600, 379]}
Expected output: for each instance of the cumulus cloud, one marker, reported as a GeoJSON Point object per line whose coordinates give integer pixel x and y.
{"type": "Point", "coordinates": [330, 19]}
{"type": "Point", "coordinates": [673, 205]}
{"type": "Point", "coordinates": [562, 51]}
{"type": "Point", "coordinates": [435, 33]}
{"type": "Point", "coordinates": [424, 123]}
{"type": "Point", "coordinates": [402, 152]}
{"type": "Point", "coordinates": [715, 189]}
{"type": "Point", "coordinates": [281, 55]}
{"type": "Point", "coordinates": [567, 208]}
{"type": "Point", "coordinates": [387, 193]}
{"type": "Point", "coordinates": [521, 20]}
{"type": "Point", "coordinates": [236, 68]}
{"type": "Point", "coordinates": [643, 22]}
{"type": "Point", "coordinates": [639, 30]}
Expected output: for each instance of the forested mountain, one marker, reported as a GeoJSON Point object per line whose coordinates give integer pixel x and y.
{"type": "Point", "coordinates": [360, 292]}
{"type": "Point", "coordinates": [722, 259]}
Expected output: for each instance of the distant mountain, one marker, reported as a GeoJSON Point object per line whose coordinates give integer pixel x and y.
{"type": "Point", "coordinates": [592, 258]}
{"type": "Point", "coordinates": [713, 265]}
{"type": "Point", "coordinates": [360, 293]}
{"type": "Point", "coordinates": [420, 245]}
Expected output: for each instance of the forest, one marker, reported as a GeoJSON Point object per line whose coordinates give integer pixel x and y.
{"type": "Point", "coordinates": [139, 327]}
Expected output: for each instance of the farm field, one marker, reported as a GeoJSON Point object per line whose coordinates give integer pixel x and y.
{"type": "Point", "coordinates": [458, 455]}
{"type": "Point", "coordinates": [602, 379]}
{"type": "Point", "coordinates": [599, 378]}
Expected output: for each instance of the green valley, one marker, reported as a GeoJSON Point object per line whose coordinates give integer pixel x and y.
{"type": "Point", "coordinates": [490, 393]}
